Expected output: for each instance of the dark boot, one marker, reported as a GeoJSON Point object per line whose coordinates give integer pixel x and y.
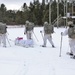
{"type": "Point", "coordinates": [73, 57]}
{"type": "Point", "coordinates": [43, 46]}
{"type": "Point", "coordinates": [71, 54]}
{"type": "Point", "coordinates": [53, 46]}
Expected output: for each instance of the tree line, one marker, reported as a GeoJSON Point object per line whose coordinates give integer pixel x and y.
{"type": "Point", "coordinates": [36, 12]}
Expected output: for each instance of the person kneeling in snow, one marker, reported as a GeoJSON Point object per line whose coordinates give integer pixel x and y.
{"type": "Point", "coordinates": [71, 34]}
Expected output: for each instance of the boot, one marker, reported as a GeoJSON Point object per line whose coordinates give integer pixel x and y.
{"type": "Point", "coordinates": [43, 46]}
{"type": "Point", "coordinates": [73, 57]}
{"type": "Point", "coordinates": [53, 46]}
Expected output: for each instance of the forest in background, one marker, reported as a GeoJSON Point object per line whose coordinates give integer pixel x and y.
{"type": "Point", "coordinates": [36, 12]}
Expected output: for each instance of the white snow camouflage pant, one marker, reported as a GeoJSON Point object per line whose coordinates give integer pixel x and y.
{"type": "Point", "coordinates": [3, 39]}
{"type": "Point", "coordinates": [72, 45]}
{"type": "Point", "coordinates": [29, 34]}
{"type": "Point", "coordinates": [49, 38]}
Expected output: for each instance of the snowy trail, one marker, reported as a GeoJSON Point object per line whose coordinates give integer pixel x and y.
{"type": "Point", "coordinates": [16, 60]}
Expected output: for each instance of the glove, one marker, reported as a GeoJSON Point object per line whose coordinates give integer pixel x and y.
{"type": "Point", "coordinates": [24, 33]}
{"type": "Point", "coordinates": [61, 33]}
{"type": "Point", "coordinates": [40, 31]}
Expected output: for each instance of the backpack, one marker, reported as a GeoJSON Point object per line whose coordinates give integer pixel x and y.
{"type": "Point", "coordinates": [25, 43]}
{"type": "Point", "coordinates": [3, 28]}
{"type": "Point", "coordinates": [71, 32]}
{"type": "Point", "coordinates": [49, 29]}
{"type": "Point", "coordinates": [29, 27]}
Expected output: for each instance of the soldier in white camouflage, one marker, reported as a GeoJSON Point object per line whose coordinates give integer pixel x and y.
{"type": "Point", "coordinates": [48, 30]}
{"type": "Point", "coordinates": [3, 30]}
{"type": "Point", "coordinates": [71, 34]}
{"type": "Point", "coordinates": [29, 29]}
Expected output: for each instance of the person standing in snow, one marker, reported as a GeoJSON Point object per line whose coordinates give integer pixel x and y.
{"type": "Point", "coordinates": [29, 26]}
{"type": "Point", "coordinates": [71, 34]}
{"type": "Point", "coordinates": [3, 30]}
{"type": "Point", "coordinates": [48, 30]}
{"type": "Point", "coordinates": [29, 29]}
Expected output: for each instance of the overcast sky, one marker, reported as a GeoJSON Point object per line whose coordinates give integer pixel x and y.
{"type": "Point", "coordinates": [15, 4]}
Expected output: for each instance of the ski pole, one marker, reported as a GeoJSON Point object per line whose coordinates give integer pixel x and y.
{"type": "Point", "coordinates": [11, 40]}
{"type": "Point", "coordinates": [8, 42]}
{"type": "Point", "coordinates": [60, 45]}
{"type": "Point", "coordinates": [35, 36]}
{"type": "Point", "coordinates": [41, 34]}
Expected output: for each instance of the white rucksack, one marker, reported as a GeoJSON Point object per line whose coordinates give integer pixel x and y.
{"type": "Point", "coordinates": [3, 28]}
{"type": "Point", "coordinates": [25, 43]}
{"type": "Point", "coordinates": [71, 32]}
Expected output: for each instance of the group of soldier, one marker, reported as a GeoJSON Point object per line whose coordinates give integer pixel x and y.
{"type": "Point", "coordinates": [48, 31]}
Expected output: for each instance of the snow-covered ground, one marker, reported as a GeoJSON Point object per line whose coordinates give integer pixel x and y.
{"type": "Point", "coordinates": [17, 60]}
